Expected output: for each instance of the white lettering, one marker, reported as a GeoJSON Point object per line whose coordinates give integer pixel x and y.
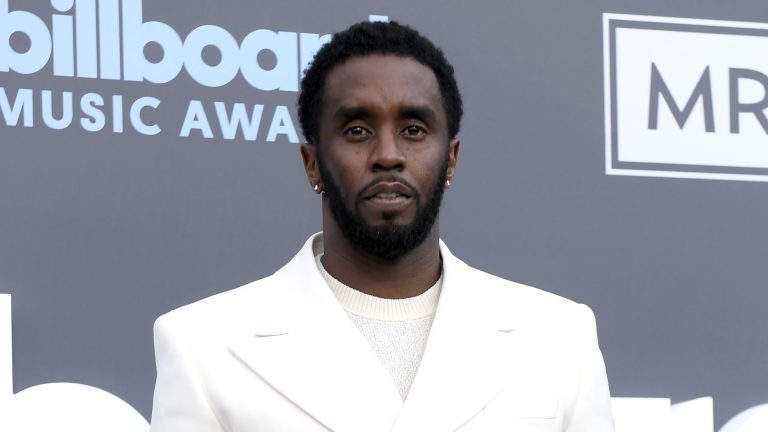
{"type": "Point", "coordinates": [754, 419]}
{"type": "Point", "coordinates": [63, 407]}
{"type": "Point", "coordinates": [239, 117]}
{"type": "Point", "coordinates": [135, 114]}
{"type": "Point", "coordinates": [63, 46]}
{"type": "Point", "coordinates": [196, 119]}
{"type": "Point", "coordinates": [282, 125]}
{"type": "Point", "coordinates": [85, 38]}
{"type": "Point", "coordinates": [96, 120]}
{"type": "Point", "coordinates": [22, 104]}
{"type": "Point", "coordinates": [211, 76]}
{"type": "Point", "coordinates": [58, 110]}
{"type": "Point", "coordinates": [109, 39]}
{"type": "Point", "coordinates": [378, 18]}
{"type": "Point", "coordinates": [284, 76]}
{"type": "Point", "coordinates": [310, 43]}
{"type": "Point", "coordinates": [66, 110]}
{"type": "Point", "coordinates": [117, 114]}
{"type": "Point", "coordinates": [40, 41]}
{"type": "Point", "coordinates": [136, 35]}
{"type": "Point", "coordinates": [6, 347]}
{"type": "Point", "coordinates": [87, 44]}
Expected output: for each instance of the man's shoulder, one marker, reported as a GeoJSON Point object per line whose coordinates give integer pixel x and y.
{"type": "Point", "coordinates": [495, 285]}
{"type": "Point", "coordinates": [508, 289]}
{"type": "Point", "coordinates": [220, 309]}
{"type": "Point", "coordinates": [501, 297]}
{"type": "Point", "coordinates": [257, 298]}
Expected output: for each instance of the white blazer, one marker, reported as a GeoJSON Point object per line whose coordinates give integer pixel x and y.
{"type": "Point", "coordinates": [280, 354]}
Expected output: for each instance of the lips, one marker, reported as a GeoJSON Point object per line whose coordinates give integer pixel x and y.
{"type": "Point", "coordinates": [388, 191]}
{"type": "Point", "coordinates": [388, 196]}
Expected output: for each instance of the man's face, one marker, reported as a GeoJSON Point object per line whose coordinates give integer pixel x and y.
{"type": "Point", "coordinates": [384, 153]}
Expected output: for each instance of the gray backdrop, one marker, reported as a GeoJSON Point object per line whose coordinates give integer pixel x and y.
{"type": "Point", "coordinates": [102, 232]}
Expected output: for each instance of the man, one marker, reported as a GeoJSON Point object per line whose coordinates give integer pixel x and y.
{"type": "Point", "coordinates": [375, 325]}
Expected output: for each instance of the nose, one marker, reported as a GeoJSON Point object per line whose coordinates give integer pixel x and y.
{"type": "Point", "coordinates": [387, 153]}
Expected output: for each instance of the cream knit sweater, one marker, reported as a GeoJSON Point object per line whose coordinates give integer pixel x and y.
{"type": "Point", "coordinates": [396, 329]}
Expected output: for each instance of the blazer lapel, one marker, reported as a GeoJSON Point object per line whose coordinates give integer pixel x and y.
{"type": "Point", "coordinates": [317, 358]}
{"type": "Point", "coordinates": [308, 350]}
{"type": "Point", "coordinates": [472, 353]}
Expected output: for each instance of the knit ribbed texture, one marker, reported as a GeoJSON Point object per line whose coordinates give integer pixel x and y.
{"type": "Point", "coordinates": [396, 329]}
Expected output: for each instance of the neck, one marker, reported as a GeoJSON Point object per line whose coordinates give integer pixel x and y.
{"type": "Point", "coordinates": [403, 277]}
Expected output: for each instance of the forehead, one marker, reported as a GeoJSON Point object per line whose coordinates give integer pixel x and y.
{"type": "Point", "coordinates": [382, 81]}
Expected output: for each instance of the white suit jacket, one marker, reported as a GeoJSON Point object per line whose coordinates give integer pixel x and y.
{"type": "Point", "coordinates": [280, 354]}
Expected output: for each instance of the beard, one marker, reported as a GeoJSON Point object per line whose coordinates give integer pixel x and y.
{"type": "Point", "coordinates": [390, 240]}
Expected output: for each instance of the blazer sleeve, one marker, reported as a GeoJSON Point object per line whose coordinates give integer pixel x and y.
{"type": "Point", "coordinates": [592, 410]}
{"type": "Point", "coordinates": [180, 403]}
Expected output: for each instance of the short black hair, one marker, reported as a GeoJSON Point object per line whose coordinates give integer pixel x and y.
{"type": "Point", "coordinates": [368, 38]}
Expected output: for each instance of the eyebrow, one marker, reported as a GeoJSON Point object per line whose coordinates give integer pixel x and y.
{"type": "Point", "coordinates": [345, 113]}
{"type": "Point", "coordinates": [421, 112]}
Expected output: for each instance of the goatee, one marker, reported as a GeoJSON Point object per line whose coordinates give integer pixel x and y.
{"type": "Point", "coordinates": [391, 240]}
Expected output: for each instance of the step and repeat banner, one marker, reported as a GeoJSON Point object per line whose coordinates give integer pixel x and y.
{"type": "Point", "coordinates": [612, 153]}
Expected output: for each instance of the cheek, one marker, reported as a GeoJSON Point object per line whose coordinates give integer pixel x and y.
{"type": "Point", "coordinates": [348, 174]}
{"type": "Point", "coordinates": [431, 169]}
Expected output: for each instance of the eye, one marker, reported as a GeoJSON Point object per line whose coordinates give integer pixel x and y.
{"type": "Point", "coordinates": [414, 131]}
{"type": "Point", "coordinates": [357, 132]}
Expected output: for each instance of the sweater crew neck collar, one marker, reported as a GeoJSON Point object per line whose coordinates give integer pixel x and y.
{"type": "Point", "coordinates": [367, 306]}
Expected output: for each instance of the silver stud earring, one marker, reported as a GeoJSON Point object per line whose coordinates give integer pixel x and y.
{"type": "Point", "coordinates": [316, 188]}
{"type": "Point", "coordinates": [447, 183]}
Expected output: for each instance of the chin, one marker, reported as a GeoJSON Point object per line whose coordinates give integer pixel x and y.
{"type": "Point", "coordinates": [394, 225]}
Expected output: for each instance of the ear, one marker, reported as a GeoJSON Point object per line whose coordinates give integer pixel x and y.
{"type": "Point", "coordinates": [453, 155]}
{"type": "Point", "coordinates": [309, 156]}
